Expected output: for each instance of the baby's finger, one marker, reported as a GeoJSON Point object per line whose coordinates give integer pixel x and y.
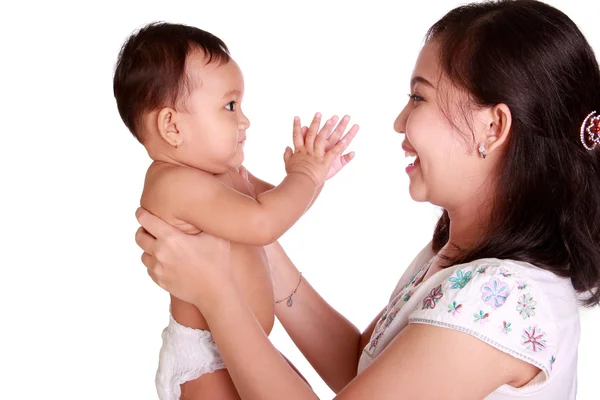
{"type": "Point", "coordinates": [309, 140]}
{"type": "Point", "coordinates": [297, 134]}
{"type": "Point", "coordinates": [324, 133]}
{"type": "Point", "coordinates": [304, 131]}
{"type": "Point", "coordinates": [287, 154]}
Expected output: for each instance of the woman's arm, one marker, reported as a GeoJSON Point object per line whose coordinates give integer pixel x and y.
{"type": "Point", "coordinates": [330, 342]}
{"type": "Point", "coordinates": [423, 361]}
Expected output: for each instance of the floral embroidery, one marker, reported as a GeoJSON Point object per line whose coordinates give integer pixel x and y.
{"type": "Point", "coordinates": [526, 306]}
{"type": "Point", "coordinates": [375, 341]}
{"type": "Point", "coordinates": [481, 270]}
{"type": "Point", "coordinates": [460, 280]}
{"type": "Point", "coordinates": [408, 295]}
{"type": "Point", "coordinates": [506, 327]}
{"type": "Point", "coordinates": [505, 273]}
{"type": "Point", "coordinates": [521, 285]}
{"type": "Point", "coordinates": [414, 277]}
{"type": "Point", "coordinates": [454, 308]}
{"type": "Point", "coordinates": [391, 317]}
{"type": "Point", "coordinates": [552, 361]}
{"type": "Point", "coordinates": [481, 317]}
{"type": "Point", "coordinates": [410, 281]}
{"type": "Point", "coordinates": [495, 292]}
{"type": "Point", "coordinates": [433, 298]}
{"type": "Point", "coordinates": [533, 339]}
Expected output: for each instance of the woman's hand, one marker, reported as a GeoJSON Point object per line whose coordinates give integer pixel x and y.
{"type": "Point", "coordinates": [193, 268]}
{"type": "Point", "coordinates": [318, 150]}
{"type": "Point", "coordinates": [341, 161]}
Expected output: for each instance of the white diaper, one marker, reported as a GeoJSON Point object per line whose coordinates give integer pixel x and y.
{"type": "Point", "coordinates": [185, 355]}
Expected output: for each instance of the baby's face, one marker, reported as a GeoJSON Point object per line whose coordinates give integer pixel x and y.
{"type": "Point", "coordinates": [213, 124]}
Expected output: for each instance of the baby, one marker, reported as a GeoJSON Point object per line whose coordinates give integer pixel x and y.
{"type": "Point", "coordinates": [179, 93]}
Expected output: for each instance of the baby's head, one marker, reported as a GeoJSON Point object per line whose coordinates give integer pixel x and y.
{"type": "Point", "coordinates": [179, 93]}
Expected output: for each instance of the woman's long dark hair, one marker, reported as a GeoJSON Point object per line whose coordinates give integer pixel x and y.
{"type": "Point", "coordinates": [533, 58]}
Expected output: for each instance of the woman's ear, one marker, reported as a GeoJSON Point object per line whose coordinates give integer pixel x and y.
{"type": "Point", "coordinates": [167, 121]}
{"type": "Point", "coordinates": [498, 128]}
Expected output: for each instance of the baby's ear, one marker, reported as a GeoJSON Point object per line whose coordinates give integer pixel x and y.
{"type": "Point", "coordinates": [167, 127]}
{"type": "Point", "coordinates": [499, 127]}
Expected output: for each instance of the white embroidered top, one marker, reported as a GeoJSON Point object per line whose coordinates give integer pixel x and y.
{"type": "Point", "coordinates": [522, 310]}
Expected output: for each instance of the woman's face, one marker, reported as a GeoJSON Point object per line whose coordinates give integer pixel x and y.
{"type": "Point", "coordinates": [444, 132]}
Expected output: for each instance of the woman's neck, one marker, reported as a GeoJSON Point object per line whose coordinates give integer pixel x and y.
{"type": "Point", "coordinates": [467, 225]}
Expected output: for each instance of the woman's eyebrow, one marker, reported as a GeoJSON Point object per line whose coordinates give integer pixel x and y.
{"type": "Point", "coordinates": [420, 79]}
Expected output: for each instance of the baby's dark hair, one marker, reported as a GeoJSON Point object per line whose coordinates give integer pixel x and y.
{"type": "Point", "coordinates": [533, 58]}
{"type": "Point", "coordinates": [150, 70]}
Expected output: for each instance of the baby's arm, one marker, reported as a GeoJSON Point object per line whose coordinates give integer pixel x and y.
{"type": "Point", "coordinates": [198, 198]}
{"type": "Point", "coordinates": [261, 186]}
{"type": "Point", "coordinates": [205, 202]}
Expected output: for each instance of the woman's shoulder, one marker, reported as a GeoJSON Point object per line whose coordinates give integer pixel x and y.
{"type": "Point", "coordinates": [515, 306]}
{"type": "Point", "coordinates": [522, 274]}
{"type": "Point", "coordinates": [492, 278]}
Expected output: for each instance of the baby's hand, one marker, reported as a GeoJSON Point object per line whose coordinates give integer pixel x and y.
{"type": "Point", "coordinates": [318, 154]}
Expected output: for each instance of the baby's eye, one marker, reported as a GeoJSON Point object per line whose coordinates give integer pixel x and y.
{"type": "Point", "coordinates": [231, 106]}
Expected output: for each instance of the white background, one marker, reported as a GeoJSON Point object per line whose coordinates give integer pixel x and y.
{"type": "Point", "coordinates": [80, 319]}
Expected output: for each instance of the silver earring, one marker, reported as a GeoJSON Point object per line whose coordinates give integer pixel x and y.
{"type": "Point", "coordinates": [482, 151]}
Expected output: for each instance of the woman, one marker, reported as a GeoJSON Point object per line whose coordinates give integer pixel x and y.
{"type": "Point", "coordinates": [502, 120]}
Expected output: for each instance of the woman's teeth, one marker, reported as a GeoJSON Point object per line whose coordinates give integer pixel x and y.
{"type": "Point", "coordinates": [412, 157]}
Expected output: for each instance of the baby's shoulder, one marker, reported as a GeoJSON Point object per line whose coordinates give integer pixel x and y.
{"type": "Point", "coordinates": [171, 177]}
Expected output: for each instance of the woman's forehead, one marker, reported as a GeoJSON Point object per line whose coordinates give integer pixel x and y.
{"type": "Point", "coordinates": [427, 65]}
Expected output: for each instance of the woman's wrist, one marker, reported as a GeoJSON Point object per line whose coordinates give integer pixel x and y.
{"type": "Point", "coordinates": [284, 275]}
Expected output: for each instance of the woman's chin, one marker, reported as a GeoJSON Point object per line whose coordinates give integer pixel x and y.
{"type": "Point", "coordinates": [417, 193]}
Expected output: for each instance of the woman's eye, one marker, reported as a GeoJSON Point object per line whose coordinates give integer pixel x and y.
{"type": "Point", "coordinates": [230, 106]}
{"type": "Point", "coordinates": [415, 98]}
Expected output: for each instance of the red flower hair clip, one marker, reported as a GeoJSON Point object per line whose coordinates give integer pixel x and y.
{"type": "Point", "coordinates": [590, 131]}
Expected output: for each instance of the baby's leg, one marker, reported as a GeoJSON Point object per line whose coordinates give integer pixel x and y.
{"type": "Point", "coordinates": [215, 386]}
{"type": "Point", "coordinates": [190, 365]}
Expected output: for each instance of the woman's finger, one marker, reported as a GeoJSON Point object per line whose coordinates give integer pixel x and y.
{"type": "Point", "coordinates": [149, 261]}
{"type": "Point", "coordinates": [154, 225]}
{"type": "Point", "coordinates": [335, 152]}
{"type": "Point", "coordinates": [339, 130]}
{"type": "Point", "coordinates": [349, 137]}
{"type": "Point", "coordinates": [144, 240]}
{"type": "Point", "coordinates": [154, 278]}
